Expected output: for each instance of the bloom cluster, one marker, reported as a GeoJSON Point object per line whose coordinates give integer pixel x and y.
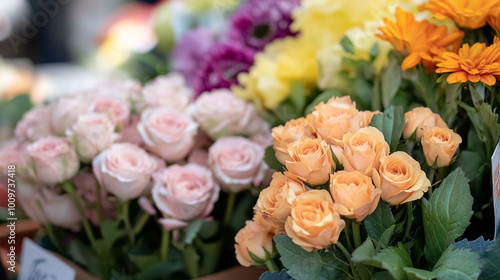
{"type": "Point", "coordinates": [338, 167]}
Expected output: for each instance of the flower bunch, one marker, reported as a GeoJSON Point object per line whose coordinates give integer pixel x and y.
{"type": "Point", "coordinates": [350, 186]}
{"type": "Point", "coordinates": [123, 161]}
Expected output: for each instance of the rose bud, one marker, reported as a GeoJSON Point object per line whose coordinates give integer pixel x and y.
{"type": "Point", "coordinates": [255, 238]}
{"type": "Point", "coordinates": [311, 161]}
{"type": "Point", "coordinates": [51, 160]}
{"type": "Point", "coordinates": [354, 194]}
{"type": "Point", "coordinates": [185, 193]}
{"type": "Point", "coordinates": [417, 119]}
{"type": "Point", "coordinates": [400, 179]}
{"type": "Point", "coordinates": [67, 110]}
{"type": "Point", "coordinates": [237, 163]}
{"type": "Point", "coordinates": [275, 201]}
{"type": "Point", "coordinates": [168, 132]}
{"type": "Point", "coordinates": [167, 91]}
{"type": "Point", "coordinates": [91, 134]}
{"type": "Point", "coordinates": [314, 223]}
{"type": "Point", "coordinates": [124, 170]}
{"type": "Point", "coordinates": [34, 124]}
{"type": "Point", "coordinates": [363, 150]}
{"type": "Point", "coordinates": [221, 114]}
{"type": "Point", "coordinates": [292, 131]}
{"type": "Point", "coordinates": [440, 144]}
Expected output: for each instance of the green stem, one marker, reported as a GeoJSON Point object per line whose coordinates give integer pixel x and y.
{"type": "Point", "coordinates": [409, 220]}
{"type": "Point", "coordinates": [348, 257]}
{"type": "Point", "coordinates": [356, 233]}
{"type": "Point", "coordinates": [53, 239]}
{"type": "Point", "coordinates": [141, 222]}
{"type": "Point", "coordinates": [165, 245]}
{"type": "Point", "coordinates": [99, 202]}
{"type": "Point", "coordinates": [431, 179]}
{"type": "Point", "coordinates": [271, 265]}
{"type": "Point", "coordinates": [70, 190]}
{"type": "Point", "coordinates": [348, 235]}
{"type": "Point", "coordinates": [231, 199]}
{"type": "Point", "coordinates": [126, 220]}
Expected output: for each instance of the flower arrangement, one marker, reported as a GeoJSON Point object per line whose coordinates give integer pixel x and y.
{"type": "Point", "coordinates": [130, 180]}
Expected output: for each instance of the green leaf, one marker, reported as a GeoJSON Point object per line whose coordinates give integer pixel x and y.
{"type": "Point", "coordinates": [416, 273]}
{"type": "Point", "coordinates": [490, 121]}
{"type": "Point", "coordinates": [391, 81]}
{"type": "Point", "coordinates": [364, 252]}
{"type": "Point", "coordinates": [391, 124]}
{"type": "Point", "coordinates": [386, 236]}
{"type": "Point", "coordinates": [84, 255]}
{"type": "Point", "coordinates": [479, 246]}
{"type": "Point", "coordinates": [347, 45]}
{"type": "Point", "coordinates": [192, 230]}
{"type": "Point", "coordinates": [491, 265]}
{"type": "Point", "coordinates": [298, 96]}
{"type": "Point", "coordinates": [446, 215]}
{"type": "Point", "coordinates": [271, 160]}
{"type": "Point", "coordinates": [143, 262]}
{"type": "Point", "coordinates": [379, 221]}
{"type": "Point", "coordinates": [394, 259]}
{"type": "Point", "coordinates": [442, 78]}
{"type": "Point", "coordinates": [323, 97]}
{"type": "Point", "coordinates": [282, 275]}
{"type": "Point", "coordinates": [462, 264]}
{"type": "Point", "coordinates": [308, 265]}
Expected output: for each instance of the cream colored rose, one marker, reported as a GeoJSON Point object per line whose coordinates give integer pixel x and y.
{"type": "Point", "coordinates": [363, 150]}
{"type": "Point", "coordinates": [310, 161]}
{"type": "Point", "coordinates": [284, 135]}
{"type": "Point", "coordinates": [440, 143]}
{"type": "Point", "coordinates": [354, 194]}
{"type": "Point", "coordinates": [400, 179]}
{"type": "Point", "coordinates": [314, 223]}
{"type": "Point", "coordinates": [417, 119]}
{"type": "Point", "coordinates": [275, 201]}
{"type": "Point", "coordinates": [256, 238]}
{"type": "Point", "coordinates": [332, 120]}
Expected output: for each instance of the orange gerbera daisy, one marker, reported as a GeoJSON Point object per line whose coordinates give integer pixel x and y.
{"type": "Point", "coordinates": [494, 18]}
{"type": "Point", "coordinates": [465, 13]}
{"type": "Point", "coordinates": [415, 39]}
{"type": "Point", "coordinates": [476, 63]}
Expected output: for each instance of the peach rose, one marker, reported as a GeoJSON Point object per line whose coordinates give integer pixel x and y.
{"type": "Point", "coordinates": [255, 238]}
{"type": "Point", "coordinates": [314, 223]}
{"type": "Point", "coordinates": [354, 194]}
{"type": "Point", "coordinates": [417, 119]}
{"type": "Point", "coordinates": [310, 161]}
{"type": "Point", "coordinates": [275, 201]}
{"type": "Point", "coordinates": [440, 143]}
{"type": "Point", "coordinates": [400, 179]}
{"type": "Point", "coordinates": [332, 120]}
{"type": "Point", "coordinates": [360, 120]}
{"type": "Point", "coordinates": [292, 131]}
{"type": "Point", "coordinates": [363, 150]}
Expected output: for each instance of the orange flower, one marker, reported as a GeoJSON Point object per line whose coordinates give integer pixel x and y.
{"type": "Point", "coordinates": [465, 13]}
{"type": "Point", "coordinates": [418, 40]}
{"type": "Point", "coordinates": [494, 18]}
{"type": "Point", "coordinates": [476, 63]}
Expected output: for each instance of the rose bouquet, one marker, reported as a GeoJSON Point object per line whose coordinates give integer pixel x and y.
{"type": "Point", "coordinates": [365, 195]}
{"type": "Point", "coordinates": [130, 180]}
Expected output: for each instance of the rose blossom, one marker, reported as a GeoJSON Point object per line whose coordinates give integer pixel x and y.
{"type": "Point", "coordinates": [440, 143]}
{"type": "Point", "coordinates": [199, 157]}
{"type": "Point", "coordinates": [91, 134]}
{"type": "Point", "coordinates": [34, 124]}
{"type": "Point", "coordinates": [130, 134]}
{"type": "Point", "coordinates": [363, 150]}
{"type": "Point", "coordinates": [11, 153]}
{"type": "Point", "coordinates": [168, 132]}
{"type": "Point", "coordinates": [167, 91]}
{"type": "Point", "coordinates": [124, 170]}
{"type": "Point", "coordinates": [236, 162]}
{"type": "Point", "coordinates": [354, 194]}
{"type": "Point", "coordinates": [275, 201]}
{"type": "Point", "coordinates": [255, 238]}
{"type": "Point", "coordinates": [400, 179]}
{"type": "Point", "coordinates": [417, 119]}
{"type": "Point", "coordinates": [117, 110]}
{"type": "Point", "coordinates": [67, 110]}
{"type": "Point", "coordinates": [310, 161]}
{"type": "Point", "coordinates": [220, 113]}
{"type": "Point", "coordinates": [126, 90]}
{"type": "Point", "coordinates": [184, 193]}
{"type": "Point", "coordinates": [314, 223]}
{"type": "Point", "coordinates": [360, 120]}
{"type": "Point", "coordinates": [292, 131]}
{"type": "Point", "coordinates": [51, 160]}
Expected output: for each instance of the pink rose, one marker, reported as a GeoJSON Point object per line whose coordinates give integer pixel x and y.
{"type": "Point", "coordinates": [91, 134]}
{"type": "Point", "coordinates": [86, 187]}
{"type": "Point", "coordinates": [199, 157]}
{"type": "Point", "coordinates": [67, 110]}
{"type": "Point", "coordinates": [168, 91]}
{"type": "Point", "coordinates": [130, 134]}
{"type": "Point", "coordinates": [124, 170]}
{"type": "Point", "coordinates": [52, 160]}
{"type": "Point", "coordinates": [48, 206]}
{"type": "Point", "coordinates": [117, 110]}
{"type": "Point", "coordinates": [237, 163]}
{"type": "Point", "coordinates": [220, 113]}
{"type": "Point", "coordinates": [126, 90]}
{"type": "Point", "coordinates": [34, 124]}
{"type": "Point", "coordinates": [168, 132]}
{"type": "Point", "coordinates": [11, 153]}
{"type": "Point", "coordinates": [184, 193]}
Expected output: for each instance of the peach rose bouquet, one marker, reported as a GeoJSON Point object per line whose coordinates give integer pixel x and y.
{"type": "Point", "coordinates": [355, 191]}
{"type": "Point", "coordinates": [128, 173]}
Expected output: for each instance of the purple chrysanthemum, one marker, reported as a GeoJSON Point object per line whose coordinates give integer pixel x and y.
{"type": "Point", "coordinates": [190, 49]}
{"type": "Point", "coordinates": [220, 66]}
{"type": "Point", "coordinates": [258, 22]}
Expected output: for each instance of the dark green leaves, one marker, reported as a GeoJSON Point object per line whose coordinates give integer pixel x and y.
{"type": "Point", "coordinates": [391, 123]}
{"type": "Point", "coordinates": [379, 222]}
{"type": "Point", "coordinates": [271, 160]}
{"type": "Point", "coordinates": [491, 264]}
{"type": "Point", "coordinates": [282, 275]}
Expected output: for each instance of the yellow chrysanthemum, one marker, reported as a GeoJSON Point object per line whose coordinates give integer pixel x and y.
{"type": "Point", "coordinates": [465, 13]}
{"type": "Point", "coordinates": [417, 40]}
{"type": "Point", "coordinates": [476, 63]}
